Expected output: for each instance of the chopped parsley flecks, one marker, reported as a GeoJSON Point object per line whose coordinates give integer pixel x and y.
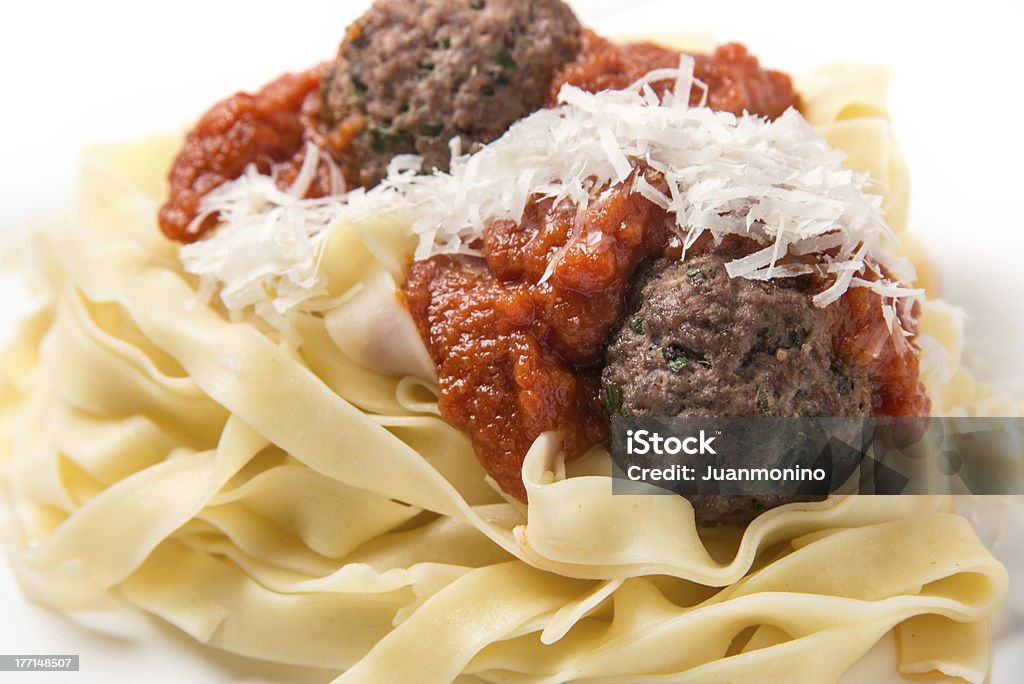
{"type": "Point", "coordinates": [845, 384]}
{"type": "Point", "coordinates": [637, 325]}
{"type": "Point", "coordinates": [676, 361]}
{"type": "Point", "coordinates": [504, 59]}
{"type": "Point", "coordinates": [762, 403]}
{"type": "Point", "coordinates": [430, 129]}
{"type": "Point", "coordinates": [384, 139]}
{"type": "Point", "coordinates": [613, 400]}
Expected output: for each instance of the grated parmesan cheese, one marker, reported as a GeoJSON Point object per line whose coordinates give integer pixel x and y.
{"type": "Point", "coordinates": [265, 254]}
{"type": "Point", "coordinates": [777, 182]}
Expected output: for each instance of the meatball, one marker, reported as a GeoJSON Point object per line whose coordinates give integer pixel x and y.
{"type": "Point", "coordinates": [411, 75]}
{"type": "Point", "coordinates": [695, 342]}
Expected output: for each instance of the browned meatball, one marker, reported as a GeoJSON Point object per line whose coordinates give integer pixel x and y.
{"type": "Point", "coordinates": [411, 75]}
{"type": "Point", "coordinates": [695, 342]}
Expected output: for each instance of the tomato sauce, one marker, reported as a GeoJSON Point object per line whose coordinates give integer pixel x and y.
{"type": "Point", "coordinates": [734, 78]}
{"type": "Point", "coordinates": [862, 339]}
{"type": "Point", "coordinates": [516, 356]}
{"type": "Point", "coordinates": [269, 129]}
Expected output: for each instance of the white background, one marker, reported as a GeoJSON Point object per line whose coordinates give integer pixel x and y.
{"type": "Point", "coordinates": [104, 70]}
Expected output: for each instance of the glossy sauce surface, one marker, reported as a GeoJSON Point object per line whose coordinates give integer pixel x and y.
{"type": "Point", "coordinates": [268, 128]}
{"type": "Point", "coordinates": [862, 339]}
{"type": "Point", "coordinates": [734, 78]}
{"type": "Point", "coordinates": [517, 356]}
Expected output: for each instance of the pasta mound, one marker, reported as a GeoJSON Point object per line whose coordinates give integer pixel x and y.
{"type": "Point", "coordinates": [289, 503]}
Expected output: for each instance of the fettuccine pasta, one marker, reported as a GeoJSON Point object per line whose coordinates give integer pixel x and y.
{"type": "Point", "coordinates": [305, 503]}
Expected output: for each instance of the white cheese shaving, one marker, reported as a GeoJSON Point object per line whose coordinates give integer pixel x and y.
{"type": "Point", "coordinates": [266, 252]}
{"type": "Point", "coordinates": [778, 182]}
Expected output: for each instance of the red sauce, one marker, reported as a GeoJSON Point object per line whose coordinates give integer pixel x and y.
{"type": "Point", "coordinates": [269, 129]}
{"type": "Point", "coordinates": [736, 82]}
{"type": "Point", "coordinates": [862, 339]}
{"type": "Point", "coordinates": [517, 357]}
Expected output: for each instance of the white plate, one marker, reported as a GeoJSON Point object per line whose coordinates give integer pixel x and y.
{"type": "Point", "coordinates": [83, 72]}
